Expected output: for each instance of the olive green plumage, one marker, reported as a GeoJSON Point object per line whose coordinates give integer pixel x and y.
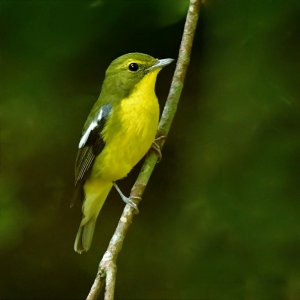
{"type": "Point", "coordinates": [117, 134]}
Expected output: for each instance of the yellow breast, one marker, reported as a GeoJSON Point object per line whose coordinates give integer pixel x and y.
{"type": "Point", "coordinates": [130, 131]}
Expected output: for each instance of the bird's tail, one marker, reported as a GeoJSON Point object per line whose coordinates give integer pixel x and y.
{"type": "Point", "coordinates": [95, 192]}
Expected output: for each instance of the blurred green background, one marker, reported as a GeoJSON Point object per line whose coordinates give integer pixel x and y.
{"type": "Point", "coordinates": [220, 218]}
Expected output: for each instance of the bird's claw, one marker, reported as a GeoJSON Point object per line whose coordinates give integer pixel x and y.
{"type": "Point", "coordinates": [156, 147]}
{"type": "Point", "coordinates": [130, 202]}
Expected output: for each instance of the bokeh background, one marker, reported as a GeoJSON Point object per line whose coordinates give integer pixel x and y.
{"type": "Point", "coordinates": [220, 218]}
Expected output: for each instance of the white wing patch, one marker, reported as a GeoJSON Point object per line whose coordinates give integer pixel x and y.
{"type": "Point", "coordinates": [92, 126]}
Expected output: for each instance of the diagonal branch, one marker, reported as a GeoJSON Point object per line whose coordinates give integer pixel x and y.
{"type": "Point", "coordinates": [107, 269]}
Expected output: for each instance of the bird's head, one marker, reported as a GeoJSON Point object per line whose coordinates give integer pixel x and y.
{"type": "Point", "coordinates": [125, 72]}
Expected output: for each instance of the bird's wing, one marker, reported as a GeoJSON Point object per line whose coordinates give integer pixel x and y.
{"type": "Point", "coordinates": [91, 144]}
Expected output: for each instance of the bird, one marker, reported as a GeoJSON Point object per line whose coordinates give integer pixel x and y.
{"type": "Point", "coordinates": [117, 134]}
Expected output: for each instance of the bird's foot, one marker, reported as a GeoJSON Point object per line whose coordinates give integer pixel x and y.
{"type": "Point", "coordinates": [156, 147]}
{"type": "Point", "coordinates": [128, 200]}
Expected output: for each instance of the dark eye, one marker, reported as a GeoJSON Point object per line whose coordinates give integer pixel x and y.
{"type": "Point", "coordinates": [133, 67]}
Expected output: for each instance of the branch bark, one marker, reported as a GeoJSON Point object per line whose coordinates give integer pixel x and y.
{"type": "Point", "coordinates": [107, 269]}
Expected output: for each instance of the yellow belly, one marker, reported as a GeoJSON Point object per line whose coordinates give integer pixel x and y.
{"type": "Point", "coordinates": [129, 133]}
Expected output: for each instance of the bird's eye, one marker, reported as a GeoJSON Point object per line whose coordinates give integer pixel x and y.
{"type": "Point", "coordinates": [133, 67]}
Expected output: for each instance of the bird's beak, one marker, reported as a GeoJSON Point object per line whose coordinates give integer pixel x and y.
{"type": "Point", "coordinates": [161, 63]}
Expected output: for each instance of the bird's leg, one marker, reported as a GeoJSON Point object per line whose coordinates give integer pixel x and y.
{"type": "Point", "coordinates": [127, 200]}
{"type": "Point", "coordinates": [156, 147]}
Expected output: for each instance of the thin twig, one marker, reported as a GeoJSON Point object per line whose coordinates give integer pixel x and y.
{"type": "Point", "coordinates": [107, 269]}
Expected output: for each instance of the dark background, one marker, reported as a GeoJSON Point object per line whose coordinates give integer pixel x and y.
{"type": "Point", "coordinates": [220, 218]}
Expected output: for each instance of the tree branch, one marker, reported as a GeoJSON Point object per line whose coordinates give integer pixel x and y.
{"type": "Point", "coordinates": [108, 265]}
